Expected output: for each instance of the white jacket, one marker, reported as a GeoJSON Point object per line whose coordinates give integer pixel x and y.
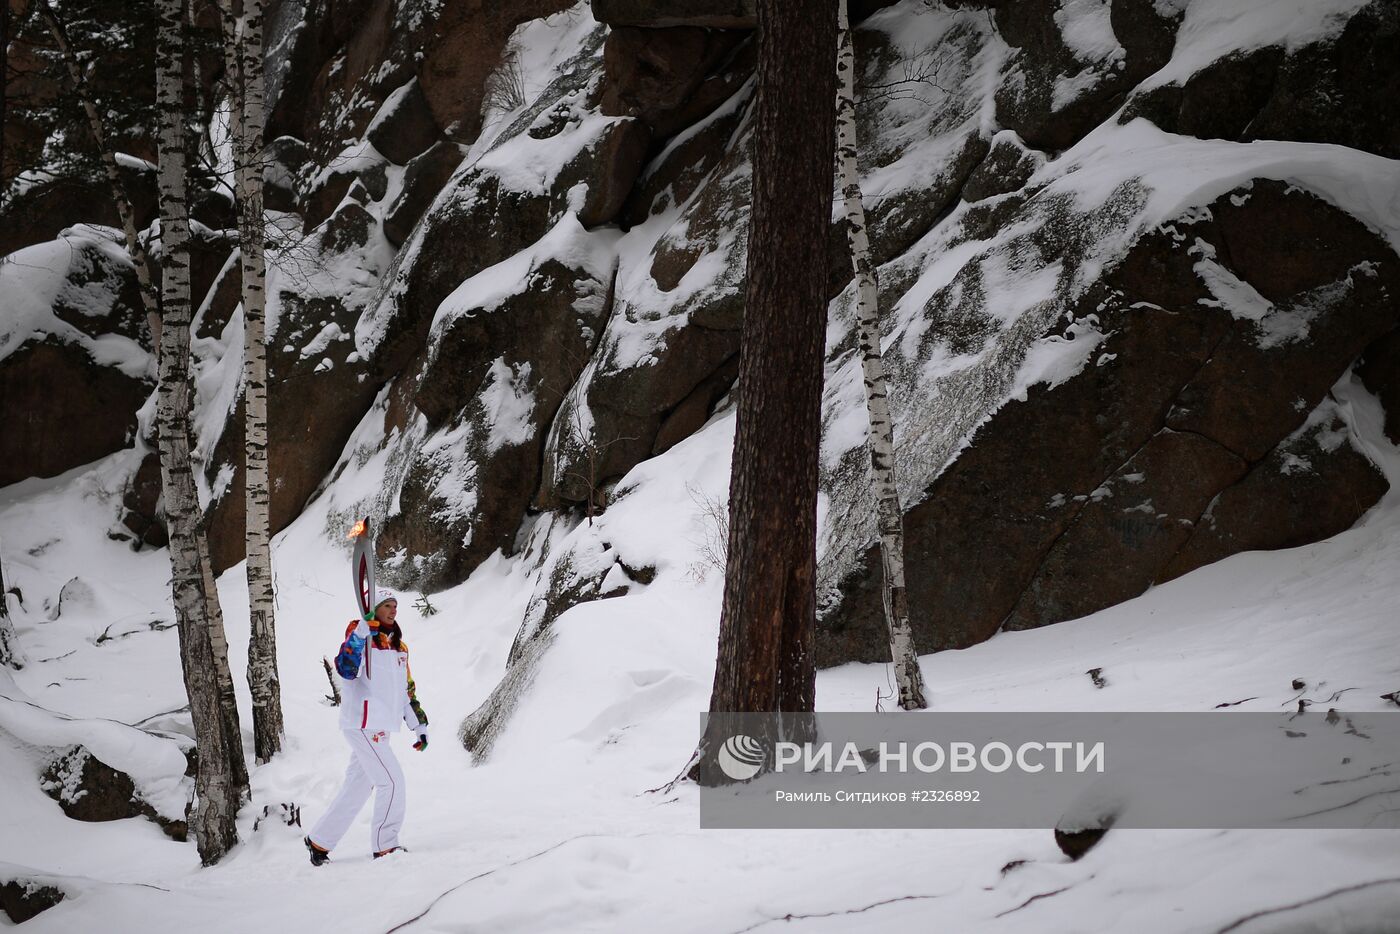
{"type": "Point", "coordinates": [377, 696]}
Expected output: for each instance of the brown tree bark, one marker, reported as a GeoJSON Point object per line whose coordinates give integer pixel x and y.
{"type": "Point", "coordinates": [4, 89]}
{"type": "Point", "coordinates": [768, 621]}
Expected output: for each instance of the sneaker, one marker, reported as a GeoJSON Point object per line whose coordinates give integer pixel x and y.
{"type": "Point", "coordinates": [392, 849]}
{"type": "Point", "coordinates": [319, 857]}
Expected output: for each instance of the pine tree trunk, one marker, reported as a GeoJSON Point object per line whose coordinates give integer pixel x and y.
{"type": "Point", "coordinates": [4, 91]}
{"type": "Point", "coordinates": [243, 45]}
{"type": "Point", "coordinates": [109, 165]}
{"type": "Point", "coordinates": [768, 621]}
{"type": "Point", "coordinates": [881, 438]}
{"type": "Point", "coordinates": [195, 598]}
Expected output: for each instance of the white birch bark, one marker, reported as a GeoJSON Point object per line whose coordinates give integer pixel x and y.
{"type": "Point", "coordinates": [890, 516]}
{"type": "Point", "coordinates": [109, 165]}
{"type": "Point", "coordinates": [195, 598]}
{"type": "Point", "coordinates": [243, 55]}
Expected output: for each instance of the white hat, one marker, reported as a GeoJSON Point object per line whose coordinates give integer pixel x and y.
{"type": "Point", "coordinates": [384, 596]}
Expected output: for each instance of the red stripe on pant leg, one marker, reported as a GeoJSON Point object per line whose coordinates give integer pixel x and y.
{"type": "Point", "coordinates": [393, 788]}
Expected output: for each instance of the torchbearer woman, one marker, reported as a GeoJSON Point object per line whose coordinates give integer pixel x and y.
{"type": "Point", "coordinates": [378, 693]}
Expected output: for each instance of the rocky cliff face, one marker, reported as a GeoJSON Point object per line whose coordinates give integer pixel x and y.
{"type": "Point", "coordinates": [1135, 257]}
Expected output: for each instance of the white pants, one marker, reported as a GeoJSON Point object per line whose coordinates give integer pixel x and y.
{"type": "Point", "coordinates": [372, 767]}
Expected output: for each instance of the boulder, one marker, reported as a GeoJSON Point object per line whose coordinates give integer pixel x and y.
{"type": "Point", "coordinates": [342, 178]}
{"type": "Point", "coordinates": [1325, 287]}
{"type": "Point", "coordinates": [1315, 484]}
{"type": "Point", "coordinates": [1047, 514]}
{"type": "Point", "coordinates": [653, 74]}
{"type": "Point", "coordinates": [1379, 370]}
{"type": "Point", "coordinates": [88, 789]}
{"type": "Point", "coordinates": [374, 57]}
{"type": "Point", "coordinates": [423, 178]}
{"type": "Point", "coordinates": [318, 385]}
{"type": "Point", "coordinates": [141, 504]}
{"type": "Point", "coordinates": [1340, 90]}
{"type": "Point", "coordinates": [403, 127]}
{"type": "Point", "coordinates": [100, 294]}
{"type": "Point", "coordinates": [1141, 515]}
{"type": "Point", "coordinates": [609, 168]}
{"type": "Point", "coordinates": [1007, 167]}
{"type": "Point", "coordinates": [479, 223]}
{"type": "Point", "coordinates": [461, 51]}
{"type": "Point", "coordinates": [674, 175]}
{"type": "Point", "coordinates": [495, 210]}
{"type": "Point", "coordinates": [661, 343]}
{"type": "Point", "coordinates": [1345, 90]}
{"type": "Point", "coordinates": [498, 367]}
{"type": "Point", "coordinates": [22, 899]}
{"type": "Point", "coordinates": [220, 300]}
{"type": "Point", "coordinates": [712, 14]}
{"type": "Point", "coordinates": [286, 157]}
{"type": "Point", "coordinates": [209, 253]}
{"type": "Point", "coordinates": [213, 208]}
{"type": "Point", "coordinates": [1073, 65]}
{"type": "Point", "coordinates": [42, 211]}
{"type": "Point", "coordinates": [691, 413]}
{"type": "Point", "coordinates": [48, 383]}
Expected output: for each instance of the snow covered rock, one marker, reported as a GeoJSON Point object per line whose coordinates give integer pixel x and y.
{"type": "Point", "coordinates": [24, 897]}
{"type": "Point", "coordinates": [1337, 87]}
{"type": "Point", "coordinates": [575, 567]}
{"type": "Point", "coordinates": [141, 513]}
{"type": "Point", "coordinates": [657, 75]}
{"type": "Point", "coordinates": [461, 49]}
{"type": "Point", "coordinates": [504, 350]}
{"type": "Point", "coordinates": [1007, 167]}
{"type": "Point", "coordinates": [318, 384]}
{"type": "Point", "coordinates": [72, 354]}
{"type": "Point", "coordinates": [1314, 485]}
{"type": "Point", "coordinates": [1379, 369]}
{"type": "Point", "coordinates": [403, 127]}
{"type": "Point", "coordinates": [1071, 68]}
{"type": "Point", "coordinates": [285, 157]}
{"type": "Point", "coordinates": [48, 382]}
{"type": "Point", "coordinates": [43, 210]}
{"type": "Point", "coordinates": [88, 789]}
{"type": "Point", "coordinates": [423, 178]}
{"type": "Point", "coordinates": [1203, 350]}
{"type": "Point", "coordinates": [678, 171]}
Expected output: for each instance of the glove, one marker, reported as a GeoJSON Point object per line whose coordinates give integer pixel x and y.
{"type": "Point", "coordinates": [366, 628]}
{"type": "Point", "coordinates": [422, 743]}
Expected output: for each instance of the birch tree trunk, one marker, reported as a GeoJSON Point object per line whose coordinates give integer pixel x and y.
{"type": "Point", "coordinates": [109, 165]}
{"type": "Point", "coordinates": [890, 516]}
{"type": "Point", "coordinates": [768, 620]}
{"type": "Point", "coordinates": [192, 586]}
{"type": "Point", "coordinates": [244, 57]}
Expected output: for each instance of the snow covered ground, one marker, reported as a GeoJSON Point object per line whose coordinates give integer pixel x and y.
{"type": "Point", "coordinates": [560, 829]}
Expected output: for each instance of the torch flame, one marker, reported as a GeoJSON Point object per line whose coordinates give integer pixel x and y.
{"type": "Point", "coordinates": [358, 530]}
